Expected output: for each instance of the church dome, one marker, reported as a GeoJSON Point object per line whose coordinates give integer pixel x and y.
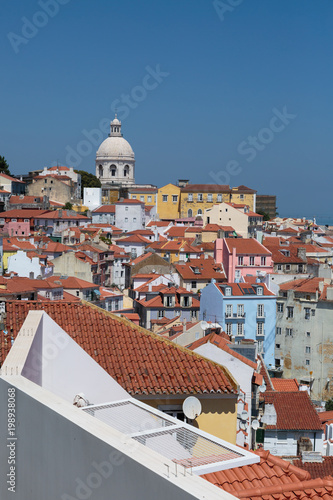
{"type": "Point", "coordinates": [114, 147]}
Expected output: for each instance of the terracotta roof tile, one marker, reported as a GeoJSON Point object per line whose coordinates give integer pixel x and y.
{"type": "Point", "coordinates": [317, 469]}
{"type": "Point", "coordinates": [246, 246]}
{"type": "Point", "coordinates": [285, 384]}
{"type": "Point", "coordinates": [130, 354]}
{"type": "Point", "coordinates": [294, 411]}
{"type": "Point", "coordinates": [271, 479]}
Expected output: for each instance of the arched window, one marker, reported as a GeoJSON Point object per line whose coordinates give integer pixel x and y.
{"type": "Point", "coordinates": [126, 171]}
{"type": "Point", "coordinates": [189, 212]}
{"type": "Point", "coordinates": [199, 211]}
{"type": "Point", "coordinates": [100, 171]}
{"type": "Point", "coordinates": [113, 170]}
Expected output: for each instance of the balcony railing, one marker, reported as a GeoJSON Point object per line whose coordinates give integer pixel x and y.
{"type": "Point", "coordinates": [234, 315]}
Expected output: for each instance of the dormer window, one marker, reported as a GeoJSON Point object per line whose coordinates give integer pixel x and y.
{"type": "Point", "coordinates": [228, 291]}
{"type": "Point", "coordinates": [169, 301]}
{"type": "Point", "coordinates": [260, 290]}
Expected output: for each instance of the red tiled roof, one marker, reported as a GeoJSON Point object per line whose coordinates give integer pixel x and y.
{"type": "Point", "coordinates": [325, 416]}
{"type": "Point", "coordinates": [316, 469]}
{"type": "Point", "coordinates": [72, 282]}
{"type": "Point", "coordinates": [307, 285]}
{"type": "Point", "coordinates": [158, 223]}
{"type": "Point", "coordinates": [135, 238]}
{"type": "Point", "coordinates": [11, 178]}
{"type": "Point", "coordinates": [241, 288]}
{"type": "Point", "coordinates": [294, 411]}
{"type": "Point", "coordinates": [271, 479]}
{"type": "Point", "coordinates": [61, 214]}
{"type": "Point", "coordinates": [207, 268]}
{"type": "Point", "coordinates": [140, 361]}
{"type": "Point", "coordinates": [105, 209]}
{"type": "Point", "coordinates": [23, 213]}
{"type": "Point", "coordinates": [246, 246]}
{"type": "Point", "coordinates": [128, 201]}
{"type": "Point", "coordinates": [285, 384]}
{"type": "Point", "coordinates": [141, 258]}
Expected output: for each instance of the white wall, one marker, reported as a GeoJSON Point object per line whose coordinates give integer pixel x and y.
{"type": "Point", "coordinates": [92, 197]}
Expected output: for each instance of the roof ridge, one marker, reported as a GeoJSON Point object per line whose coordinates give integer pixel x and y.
{"type": "Point", "coordinates": [282, 488]}
{"type": "Point", "coordinates": [156, 336]}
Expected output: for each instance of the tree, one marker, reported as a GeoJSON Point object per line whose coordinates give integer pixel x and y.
{"type": "Point", "coordinates": [88, 180]}
{"type": "Point", "coordinates": [329, 405]}
{"type": "Point", "coordinates": [265, 214]}
{"type": "Point", "coordinates": [68, 206]}
{"type": "Point", "coordinates": [4, 167]}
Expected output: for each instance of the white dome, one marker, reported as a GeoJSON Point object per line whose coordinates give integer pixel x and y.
{"type": "Point", "coordinates": [114, 147]}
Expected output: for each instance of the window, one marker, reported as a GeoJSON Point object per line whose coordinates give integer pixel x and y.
{"type": "Point", "coordinates": [240, 261]}
{"type": "Point", "coordinates": [160, 313]}
{"type": "Point", "coordinates": [240, 328]}
{"type": "Point", "coordinates": [278, 346]}
{"type": "Point", "coordinates": [190, 197]}
{"type": "Point", "coordinates": [260, 310]}
{"type": "Point", "coordinates": [307, 362]}
{"type": "Point", "coordinates": [199, 197]}
{"type": "Point", "coordinates": [307, 349]}
{"type": "Point", "coordinates": [186, 301]}
{"type": "Point", "coordinates": [126, 209]}
{"type": "Point", "coordinates": [260, 329]}
{"type": "Point", "coordinates": [193, 314]}
{"type": "Point", "coordinates": [149, 199]}
{"type": "Point", "coordinates": [174, 198]}
{"type": "Point", "coordinates": [259, 290]}
{"type": "Point", "coordinates": [279, 306]}
{"type": "Point", "coordinates": [308, 334]}
{"type": "Point", "coordinates": [289, 332]}
{"type": "Point", "coordinates": [307, 311]}
{"type": "Point", "coordinates": [169, 301]}
{"type": "Point", "coordinates": [263, 261]}
{"type": "Point", "coordinates": [133, 196]}
{"type": "Point", "coordinates": [228, 312]}
{"type": "Point", "coordinates": [209, 197]}
{"type": "Point", "coordinates": [165, 197]}
{"type": "Point", "coordinates": [290, 312]}
{"type": "Point", "coordinates": [228, 328]}
{"type": "Point", "coordinates": [278, 330]}
{"type": "Point", "coordinates": [219, 198]}
{"type": "Point", "coordinates": [126, 219]}
{"type": "Point", "coordinates": [134, 219]}
{"type": "Point", "coordinates": [300, 268]}
{"type": "Point", "coordinates": [240, 310]}
{"type": "Point", "coordinates": [189, 213]}
{"type": "Point", "coordinates": [287, 267]}
{"type": "Point", "coordinates": [313, 312]}
{"type": "Point", "coordinates": [279, 267]}
{"type": "Point", "coordinates": [251, 261]}
{"type": "Point", "coordinates": [228, 291]}
{"type": "Point", "coordinates": [194, 284]}
{"type": "Point", "coordinates": [199, 212]}
{"type": "Point", "coordinates": [77, 293]}
{"type": "Point", "coordinates": [142, 198]}
{"type": "Point", "coordinates": [241, 197]}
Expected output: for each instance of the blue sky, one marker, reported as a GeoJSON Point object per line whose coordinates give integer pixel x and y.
{"type": "Point", "coordinates": [227, 68]}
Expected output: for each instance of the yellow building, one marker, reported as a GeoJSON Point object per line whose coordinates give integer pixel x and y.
{"type": "Point", "coordinates": [244, 195]}
{"type": "Point", "coordinates": [168, 202]}
{"type": "Point", "coordinates": [196, 198]}
{"type": "Point", "coordinates": [147, 195]}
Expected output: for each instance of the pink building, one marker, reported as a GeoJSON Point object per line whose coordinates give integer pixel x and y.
{"type": "Point", "coordinates": [241, 257]}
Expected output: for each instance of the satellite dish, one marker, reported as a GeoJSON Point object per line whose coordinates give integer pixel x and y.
{"type": "Point", "coordinates": [262, 388]}
{"type": "Point", "coordinates": [242, 425]}
{"type": "Point", "coordinates": [244, 415]}
{"type": "Point", "coordinates": [192, 407]}
{"type": "Point", "coordinates": [204, 325]}
{"type": "Point", "coordinates": [255, 425]}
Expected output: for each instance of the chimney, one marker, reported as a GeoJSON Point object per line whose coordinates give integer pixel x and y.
{"type": "Point", "coordinates": [184, 325]}
{"type": "Point", "coordinates": [301, 253]}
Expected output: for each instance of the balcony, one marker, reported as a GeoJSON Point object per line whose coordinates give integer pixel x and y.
{"type": "Point", "coordinates": [261, 316]}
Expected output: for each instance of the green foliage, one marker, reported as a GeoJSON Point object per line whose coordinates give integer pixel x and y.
{"type": "Point", "coordinates": [4, 167]}
{"type": "Point", "coordinates": [265, 214]}
{"type": "Point", "coordinates": [329, 405]}
{"type": "Point", "coordinates": [108, 241]}
{"type": "Point", "coordinates": [68, 206]}
{"type": "Point", "coordinates": [88, 180]}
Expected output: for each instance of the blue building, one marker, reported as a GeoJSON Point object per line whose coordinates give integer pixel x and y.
{"type": "Point", "coordinates": [244, 311]}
